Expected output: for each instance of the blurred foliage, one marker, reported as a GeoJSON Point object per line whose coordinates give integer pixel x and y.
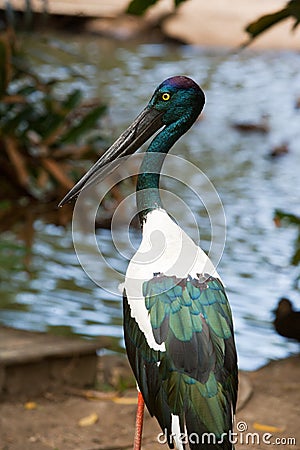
{"type": "Point", "coordinates": [254, 29]}
{"type": "Point", "coordinates": [47, 140]}
{"type": "Point", "coordinates": [291, 10]}
{"type": "Point", "coordinates": [282, 217]}
{"type": "Point", "coordinates": [41, 134]}
{"type": "Point", "coordinates": [49, 137]}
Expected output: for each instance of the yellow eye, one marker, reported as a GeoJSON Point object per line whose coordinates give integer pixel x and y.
{"type": "Point", "coordinates": [165, 96]}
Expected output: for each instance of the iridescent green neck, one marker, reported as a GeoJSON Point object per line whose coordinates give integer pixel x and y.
{"type": "Point", "coordinates": [147, 191]}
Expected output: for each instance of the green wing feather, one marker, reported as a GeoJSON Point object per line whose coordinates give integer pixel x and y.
{"type": "Point", "coordinates": [197, 374]}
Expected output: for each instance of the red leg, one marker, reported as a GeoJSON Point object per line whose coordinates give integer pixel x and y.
{"type": "Point", "coordinates": [139, 423]}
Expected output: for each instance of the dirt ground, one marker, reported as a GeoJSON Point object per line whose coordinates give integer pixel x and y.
{"type": "Point", "coordinates": [269, 407]}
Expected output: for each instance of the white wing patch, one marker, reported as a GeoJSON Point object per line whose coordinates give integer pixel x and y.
{"type": "Point", "coordinates": [165, 248]}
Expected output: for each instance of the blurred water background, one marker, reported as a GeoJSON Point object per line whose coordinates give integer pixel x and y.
{"type": "Point", "coordinates": [56, 295]}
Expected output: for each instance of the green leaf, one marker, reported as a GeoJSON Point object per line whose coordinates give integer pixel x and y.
{"type": "Point", "coordinates": [138, 7]}
{"type": "Point", "coordinates": [72, 100]}
{"type": "Point", "coordinates": [84, 125]}
{"type": "Point", "coordinates": [52, 122]}
{"type": "Point", "coordinates": [289, 218]}
{"type": "Point", "coordinates": [266, 22]}
{"type": "Point", "coordinates": [292, 9]}
{"type": "Point", "coordinates": [26, 90]}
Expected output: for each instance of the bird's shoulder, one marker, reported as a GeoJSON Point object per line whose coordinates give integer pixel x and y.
{"type": "Point", "coordinates": [189, 303]}
{"type": "Point", "coordinates": [193, 319]}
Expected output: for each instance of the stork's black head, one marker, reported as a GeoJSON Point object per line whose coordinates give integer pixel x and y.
{"type": "Point", "coordinates": [178, 98]}
{"type": "Point", "coordinates": [177, 101]}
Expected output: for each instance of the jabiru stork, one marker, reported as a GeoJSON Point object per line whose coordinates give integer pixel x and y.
{"type": "Point", "coordinates": [177, 320]}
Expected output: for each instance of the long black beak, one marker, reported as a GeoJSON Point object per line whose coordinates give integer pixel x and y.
{"type": "Point", "coordinates": [143, 127]}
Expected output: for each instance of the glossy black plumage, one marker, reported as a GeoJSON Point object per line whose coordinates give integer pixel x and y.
{"type": "Point", "coordinates": [196, 377]}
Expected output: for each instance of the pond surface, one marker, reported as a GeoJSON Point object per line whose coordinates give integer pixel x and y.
{"type": "Point", "coordinates": [57, 295]}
